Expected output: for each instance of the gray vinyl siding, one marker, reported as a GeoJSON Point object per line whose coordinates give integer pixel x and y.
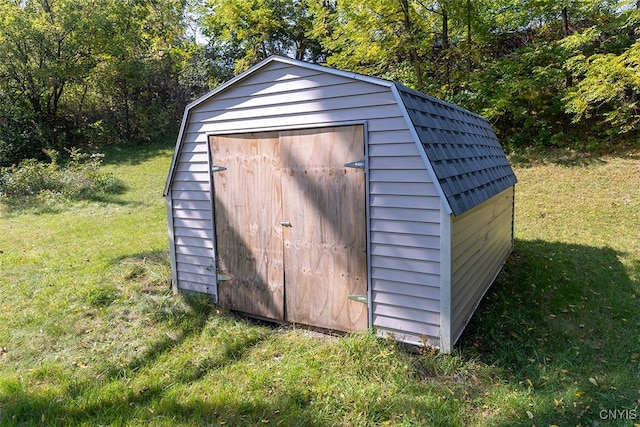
{"type": "Point", "coordinates": [404, 205]}
{"type": "Point", "coordinates": [482, 239]}
{"type": "Point", "coordinates": [191, 218]}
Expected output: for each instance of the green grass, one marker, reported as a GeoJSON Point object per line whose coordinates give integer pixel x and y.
{"type": "Point", "coordinates": [90, 333]}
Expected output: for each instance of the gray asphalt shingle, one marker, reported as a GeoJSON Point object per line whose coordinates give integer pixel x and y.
{"type": "Point", "coordinates": [463, 149]}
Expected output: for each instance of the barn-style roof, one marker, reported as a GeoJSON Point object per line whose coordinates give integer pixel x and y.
{"type": "Point", "coordinates": [464, 155]}
{"type": "Point", "coordinates": [464, 152]}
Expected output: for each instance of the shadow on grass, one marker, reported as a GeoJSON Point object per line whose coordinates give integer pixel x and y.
{"type": "Point", "coordinates": [566, 156]}
{"type": "Point", "coordinates": [562, 321]}
{"type": "Point", "coordinates": [135, 154]}
{"type": "Point", "coordinates": [54, 205]}
{"type": "Point", "coordinates": [560, 325]}
{"type": "Point", "coordinates": [119, 392]}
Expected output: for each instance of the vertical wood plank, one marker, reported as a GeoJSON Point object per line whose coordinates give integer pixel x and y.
{"type": "Point", "coordinates": [325, 248]}
{"type": "Point", "coordinates": [248, 232]}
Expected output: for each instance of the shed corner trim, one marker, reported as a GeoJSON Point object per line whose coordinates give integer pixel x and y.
{"type": "Point", "coordinates": [445, 281]}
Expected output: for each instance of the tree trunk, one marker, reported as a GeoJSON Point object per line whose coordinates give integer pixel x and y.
{"type": "Point", "coordinates": [565, 21]}
{"type": "Point", "coordinates": [565, 27]}
{"type": "Point", "coordinates": [445, 43]}
{"type": "Point", "coordinates": [413, 50]}
{"type": "Point", "coordinates": [469, 41]}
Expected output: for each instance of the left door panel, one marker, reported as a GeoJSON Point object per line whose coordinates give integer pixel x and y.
{"type": "Point", "coordinates": [247, 209]}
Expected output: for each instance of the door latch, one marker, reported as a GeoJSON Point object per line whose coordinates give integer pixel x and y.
{"type": "Point", "coordinates": [285, 224]}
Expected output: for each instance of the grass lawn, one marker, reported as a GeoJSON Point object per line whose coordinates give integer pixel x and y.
{"type": "Point", "coordinates": [90, 333]}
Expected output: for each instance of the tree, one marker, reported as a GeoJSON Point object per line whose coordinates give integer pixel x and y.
{"type": "Point", "coordinates": [141, 45]}
{"type": "Point", "coordinates": [606, 63]}
{"type": "Point", "coordinates": [245, 32]}
{"type": "Point", "coordinates": [44, 48]}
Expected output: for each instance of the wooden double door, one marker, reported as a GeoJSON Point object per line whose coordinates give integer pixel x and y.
{"type": "Point", "coordinates": [290, 222]}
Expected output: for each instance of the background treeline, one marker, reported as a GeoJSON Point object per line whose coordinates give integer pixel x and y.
{"type": "Point", "coordinates": [545, 72]}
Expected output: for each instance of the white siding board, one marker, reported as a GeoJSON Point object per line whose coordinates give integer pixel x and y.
{"type": "Point", "coordinates": [407, 313]}
{"type": "Point", "coordinates": [193, 187]}
{"type": "Point", "coordinates": [410, 240]}
{"type": "Point", "coordinates": [194, 250]}
{"type": "Point", "coordinates": [197, 287]}
{"type": "Point", "coordinates": [193, 147]}
{"type": "Point", "coordinates": [414, 265]}
{"type": "Point", "coordinates": [409, 289]}
{"type": "Point", "coordinates": [205, 261]}
{"type": "Point", "coordinates": [390, 149]}
{"type": "Point", "coordinates": [190, 191]}
{"type": "Point", "coordinates": [192, 157]}
{"type": "Point", "coordinates": [407, 327]}
{"type": "Point", "coordinates": [406, 252]}
{"type": "Point", "coordinates": [302, 94]}
{"type": "Point", "coordinates": [202, 270]}
{"type": "Point", "coordinates": [401, 163]}
{"type": "Point", "coordinates": [398, 138]}
{"type": "Point", "coordinates": [478, 227]}
{"type": "Point", "coordinates": [406, 227]}
{"type": "Point", "coordinates": [500, 203]}
{"type": "Point", "coordinates": [191, 205]}
{"type": "Point", "coordinates": [194, 137]}
{"type": "Point", "coordinates": [196, 186]}
{"type": "Point", "coordinates": [402, 201]}
{"type": "Point", "coordinates": [400, 175]}
{"type": "Point", "coordinates": [469, 229]}
{"type": "Point", "coordinates": [194, 241]}
{"type": "Point", "coordinates": [401, 214]}
{"type": "Point", "coordinates": [193, 214]}
{"type": "Point", "coordinates": [390, 123]}
{"type": "Point", "coordinates": [402, 188]}
{"type": "Point", "coordinates": [193, 167]}
{"type": "Point", "coordinates": [190, 177]}
{"type": "Point", "coordinates": [299, 118]}
{"type": "Point", "coordinates": [431, 305]}
{"type": "Point", "coordinates": [202, 233]}
{"type": "Point", "coordinates": [262, 85]}
{"type": "Point", "coordinates": [192, 224]}
{"type": "Point", "coordinates": [422, 279]}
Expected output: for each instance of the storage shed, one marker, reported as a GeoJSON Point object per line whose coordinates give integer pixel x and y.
{"type": "Point", "coordinates": [305, 194]}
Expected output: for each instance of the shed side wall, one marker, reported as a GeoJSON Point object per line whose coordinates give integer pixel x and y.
{"type": "Point", "coordinates": [482, 239]}
{"type": "Point", "coordinates": [192, 221]}
{"type": "Point", "coordinates": [404, 205]}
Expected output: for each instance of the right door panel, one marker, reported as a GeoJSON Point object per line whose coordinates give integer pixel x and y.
{"type": "Point", "coordinates": [325, 246]}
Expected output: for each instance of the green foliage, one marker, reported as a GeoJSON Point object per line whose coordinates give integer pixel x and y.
{"type": "Point", "coordinates": [519, 94]}
{"type": "Point", "coordinates": [527, 66]}
{"type": "Point", "coordinates": [36, 183]}
{"type": "Point", "coordinates": [609, 89]}
{"type": "Point", "coordinates": [20, 135]}
{"type": "Point", "coordinates": [244, 32]}
{"type": "Point", "coordinates": [94, 72]}
{"type": "Point", "coordinates": [91, 72]}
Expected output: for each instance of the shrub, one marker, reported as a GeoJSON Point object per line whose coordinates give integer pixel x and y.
{"type": "Point", "coordinates": [20, 135]}
{"type": "Point", "coordinates": [33, 182]}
